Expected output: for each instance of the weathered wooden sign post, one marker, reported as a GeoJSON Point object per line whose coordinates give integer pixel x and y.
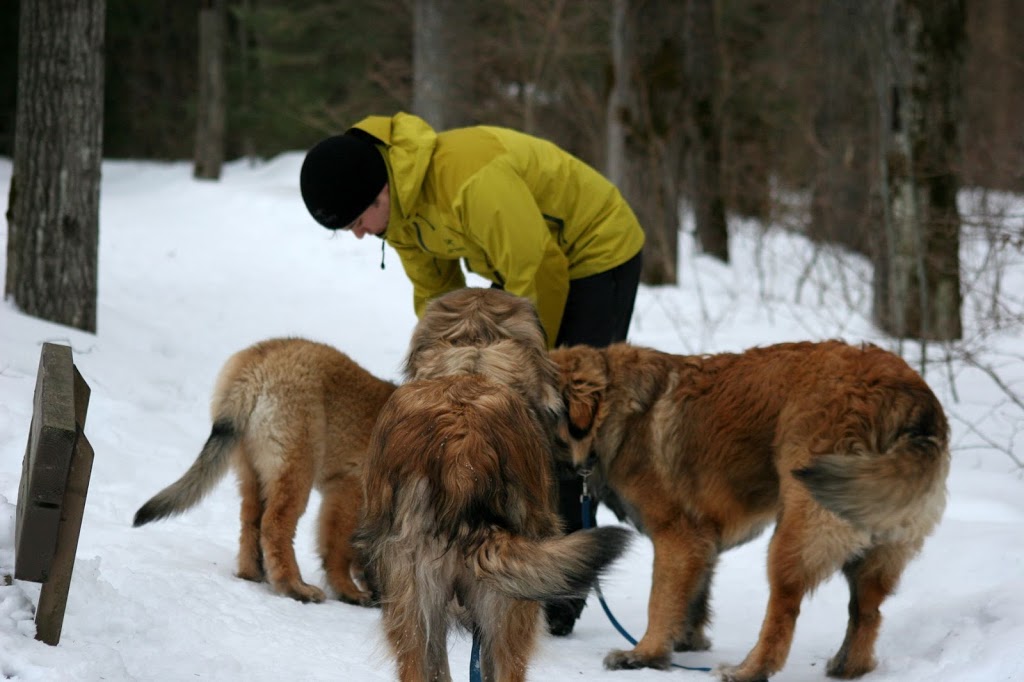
{"type": "Point", "coordinates": [54, 483]}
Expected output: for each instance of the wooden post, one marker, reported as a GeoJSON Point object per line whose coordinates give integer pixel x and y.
{"type": "Point", "coordinates": [54, 483]}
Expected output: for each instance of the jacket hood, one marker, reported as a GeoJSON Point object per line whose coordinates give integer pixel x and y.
{"type": "Point", "coordinates": [409, 143]}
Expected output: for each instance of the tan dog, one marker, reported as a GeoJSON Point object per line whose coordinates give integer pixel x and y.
{"type": "Point", "coordinates": [459, 524]}
{"type": "Point", "coordinates": [290, 415]}
{"type": "Point", "coordinates": [845, 448]}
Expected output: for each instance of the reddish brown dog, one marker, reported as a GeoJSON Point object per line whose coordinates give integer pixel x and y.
{"type": "Point", "coordinates": [844, 447]}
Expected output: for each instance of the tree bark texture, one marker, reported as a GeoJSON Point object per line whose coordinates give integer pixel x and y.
{"type": "Point", "coordinates": [211, 104]}
{"type": "Point", "coordinates": [442, 78]}
{"type": "Point", "coordinates": [917, 287]}
{"type": "Point", "coordinates": [746, 130]}
{"type": "Point", "coordinates": [844, 210]}
{"type": "Point", "coordinates": [703, 71]}
{"type": "Point", "coordinates": [53, 221]}
{"type": "Point", "coordinates": [646, 125]}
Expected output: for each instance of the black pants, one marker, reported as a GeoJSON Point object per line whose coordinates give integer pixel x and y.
{"type": "Point", "coordinates": [597, 313]}
{"type": "Point", "coordinates": [599, 308]}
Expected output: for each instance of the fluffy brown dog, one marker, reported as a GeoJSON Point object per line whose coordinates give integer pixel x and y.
{"type": "Point", "coordinates": [459, 524]}
{"type": "Point", "coordinates": [290, 415]}
{"type": "Point", "coordinates": [845, 448]}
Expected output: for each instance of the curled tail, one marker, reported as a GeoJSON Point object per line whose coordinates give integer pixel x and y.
{"type": "Point", "coordinates": [546, 569]}
{"type": "Point", "coordinates": [209, 467]}
{"type": "Point", "coordinates": [902, 488]}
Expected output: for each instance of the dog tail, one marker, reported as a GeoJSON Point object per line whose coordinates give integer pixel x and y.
{"type": "Point", "coordinates": [900, 488]}
{"type": "Point", "coordinates": [545, 569]}
{"type": "Point", "coordinates": [209, 467]}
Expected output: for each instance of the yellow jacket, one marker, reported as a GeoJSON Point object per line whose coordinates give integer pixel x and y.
{"type": "Point", "coordinates": [517, 209]}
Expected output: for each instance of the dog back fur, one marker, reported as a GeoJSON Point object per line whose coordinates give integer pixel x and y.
{"type": "Point", "coordinates": [472, 479]}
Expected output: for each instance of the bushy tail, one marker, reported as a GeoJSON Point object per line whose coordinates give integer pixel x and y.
{"type": "Point", "coordinates": [903, 487]}
{"type": "Point", "coordinates": [557, 567]}
{"type": "Point", "coordinates": [209, 467]}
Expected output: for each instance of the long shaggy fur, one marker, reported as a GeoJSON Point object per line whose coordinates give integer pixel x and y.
{"type": "Point", "coordinates": [458, 326]}
{"type": "Point", "coordinates": [289, 415]}
{"type": "Point", "coordinates": [476, 317]}
{"type": "Point", "coordinates": [845, 448]}
{"type": "Point", "coordinates": [459, 524]}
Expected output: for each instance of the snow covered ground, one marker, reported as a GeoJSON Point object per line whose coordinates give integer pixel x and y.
{"type": "Point", "coordinates": [192, 271]}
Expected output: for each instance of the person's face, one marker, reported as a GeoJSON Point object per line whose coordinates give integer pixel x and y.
{"type": "Point", "coordinates": [374, 220]}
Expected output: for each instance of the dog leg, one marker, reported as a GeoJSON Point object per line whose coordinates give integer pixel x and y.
{"type": "Point", "coordinates": [698, 615]}
{"type": "Point", "coordinates": [872, 578]}
{"type": "Point", "coordinates": [805, 549]}
{"type": "Point", "coordinates": [683, 556]}
{"type": "Point", "coordinates": [417, 639]}
{"type": "Point", "coordinates": [287, 496]}
{"type": "Point", "coordinates": [250, 558]}
{"type": "Point", "coordinates": [508, 638]}
{"type": "Point", "coordinates": [339, 515]}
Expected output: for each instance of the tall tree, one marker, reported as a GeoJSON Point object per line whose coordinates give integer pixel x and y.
{"type": "Point", "coordinates": [703, 77]}
{"type": "Point", "coordinates": [746, 143]}
{"type": "Point", "coordinates": [917, 270]}
{"type": "Point", "coordinates": [442, 75]}
{"type": "Point", "coordinates": [646, 127]}
{"type": "Point", "coordinates": [211, 105]}
{"type": "Point", "coordinates": [842, 207]}
{"type": "Point", "coordinates": [53, 217]}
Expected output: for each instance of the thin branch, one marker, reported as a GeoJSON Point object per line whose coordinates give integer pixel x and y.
{"type": "Point", "coordinates": [1014, 398]}
{"type": "Point", "coordinates": [988, 441]}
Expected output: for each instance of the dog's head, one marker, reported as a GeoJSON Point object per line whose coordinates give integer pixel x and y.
{"type": "Point", "coordinates": [583, 379]}
{"type": "Point", "coordinates": [474, 317]}
{"type": "Point", "coordinates": [492, 333]}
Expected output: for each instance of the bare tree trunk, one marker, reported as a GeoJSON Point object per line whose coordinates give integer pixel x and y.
{"type": "Point", "coordinates": [645, 133]}
{"type": "Point", "coordinates": [245, 80]}
{"type": "Point", "coordinates": [211, 105]}
{"type": "Point", "coordinates": [917, 292]}
{"type": "Point", "coordinates": [842, 209]}
{"type": "Point", "coordinates": [704, 78]}
{"type": "Point", "coordinates": [746, 145]}
{"type": "Point", "coordinates": [618, 95]}
{"type": "Point", "coordinates": [53, 230]}
{"type": "Point", "coordinates": [442, 73]}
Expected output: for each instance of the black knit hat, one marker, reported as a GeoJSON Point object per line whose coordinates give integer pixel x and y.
{"type": "Point", "coordinates": [341, 176]}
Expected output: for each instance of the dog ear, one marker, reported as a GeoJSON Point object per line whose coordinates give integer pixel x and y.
{"type": "Point", "coordinates": [584, 379]}
{"type": "Point", "coordinates": [582, 399]}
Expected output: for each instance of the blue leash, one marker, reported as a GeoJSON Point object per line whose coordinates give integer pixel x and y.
{"type": "Point", "coordinates": [475, 674]}
{"type": "Point", "coordinates": [586, 501]}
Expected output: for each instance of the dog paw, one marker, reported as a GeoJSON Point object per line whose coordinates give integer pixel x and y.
{"type": "Point", "coordinates": [736, 673]}
{"type": "Point", "coordinates": [252, 575]}
{"type": "Point", "coordinates": [841, 667]}
{"type": "Point", "coordinates": [631, 660]}
{"type": "Point", "coordinates": [359, 599]}
{"type": "Point", "coordinates": [305, 593]}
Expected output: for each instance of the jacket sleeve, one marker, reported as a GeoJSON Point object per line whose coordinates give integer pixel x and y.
{"type": "Point", "coordinates": [500, 214]}
{"type": "Point", "coordinates": [430, 276]}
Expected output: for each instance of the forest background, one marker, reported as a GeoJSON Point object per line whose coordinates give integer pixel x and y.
{"type": "Point", "coordinates": [297, 70]}
{"type": "Point", "coordinates": [857, 123]}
